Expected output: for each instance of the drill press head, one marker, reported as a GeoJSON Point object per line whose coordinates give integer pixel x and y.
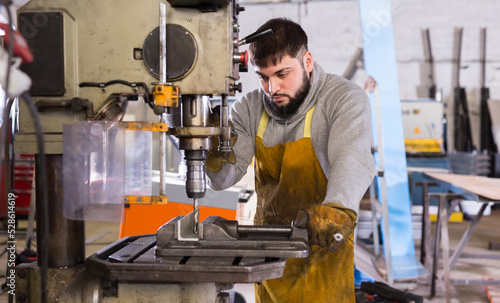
{"type": "Point", "coordinates": [195, 116]}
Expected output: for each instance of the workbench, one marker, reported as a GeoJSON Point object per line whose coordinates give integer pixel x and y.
{"type": "Point", "coordinates": [483, 190]}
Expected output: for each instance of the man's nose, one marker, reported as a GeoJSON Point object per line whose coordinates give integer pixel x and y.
{"type": "Point", "coordinates": [274, 85]}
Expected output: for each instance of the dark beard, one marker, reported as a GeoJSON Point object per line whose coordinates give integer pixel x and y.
{"type": "Point", "coordinates": [286, 111]}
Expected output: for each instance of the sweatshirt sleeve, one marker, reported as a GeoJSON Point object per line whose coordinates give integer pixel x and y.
{"type": "Point", "coordinates": [244, 149]}
{"type": "Point", "coordinates": [351, 162]}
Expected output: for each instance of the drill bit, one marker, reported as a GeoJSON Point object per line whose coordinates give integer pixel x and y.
{"type": "Point", "coordinates": [196, 212]}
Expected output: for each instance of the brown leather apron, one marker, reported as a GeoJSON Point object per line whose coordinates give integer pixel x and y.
{"type": "Point", "coordinates": [289, 177]}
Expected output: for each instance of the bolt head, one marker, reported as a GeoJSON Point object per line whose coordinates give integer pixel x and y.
{"type": "Point", "coordinates": [21, 273]}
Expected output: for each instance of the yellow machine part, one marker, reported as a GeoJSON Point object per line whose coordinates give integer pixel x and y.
{"type": "Point", "coordinates": [146, 200]}
{"type": "Point", "coordinates": [423, 145]}
{"type": "Point", "coordinates": [166, 95]}
{"type": "Point", "coordinates": [145, 126]}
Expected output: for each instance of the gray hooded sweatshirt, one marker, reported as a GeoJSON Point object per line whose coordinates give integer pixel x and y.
{"type": "Point", "coordinates": [340, 134]}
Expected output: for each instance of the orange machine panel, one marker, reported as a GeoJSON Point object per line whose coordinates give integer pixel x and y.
{"type": "Point", "coordinates": [146, 219]}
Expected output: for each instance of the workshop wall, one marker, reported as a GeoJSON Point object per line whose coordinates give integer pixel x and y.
{"type": "Point", "coordinates": [335, 34]}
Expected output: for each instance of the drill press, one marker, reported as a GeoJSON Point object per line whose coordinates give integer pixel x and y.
{"type": "Point", "coordinates": [103, 61]}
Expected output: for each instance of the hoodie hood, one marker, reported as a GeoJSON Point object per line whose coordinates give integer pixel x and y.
{"type": "Point", "coordinates": [317, 80]}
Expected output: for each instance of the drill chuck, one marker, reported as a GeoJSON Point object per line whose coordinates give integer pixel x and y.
{"type": "Point", "coordinates": [195, 176]}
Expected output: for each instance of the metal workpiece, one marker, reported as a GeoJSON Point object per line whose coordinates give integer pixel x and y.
{"type": "Point", "coordinates": [218, 237]}
{"type": "Point", "coordinates": [187, 227]}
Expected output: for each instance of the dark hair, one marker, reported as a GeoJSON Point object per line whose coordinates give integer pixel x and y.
{"type": "Point", "coordinates": [289, 39]}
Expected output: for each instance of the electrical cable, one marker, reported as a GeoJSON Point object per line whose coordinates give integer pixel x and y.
{"type": "Point", "coordinates": [10, 49]}
{"type": "Point", "coordinates": [43, 256]}
{"type": "Point", "coordinates": [131, 84]}
{"type": "Point", "coordinates": [7, 164]}
{"type": "Point", "coordinates": [6, 132]}
{"type": "Point", "coordinates": [28, 172]}
{"type": "Point", "coordinates": [10, 52]}
{"type": "Point", "coordinates": [43, 226]}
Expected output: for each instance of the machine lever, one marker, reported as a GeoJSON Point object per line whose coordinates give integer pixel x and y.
{"type": "Point", "coordinates": [258, 35]}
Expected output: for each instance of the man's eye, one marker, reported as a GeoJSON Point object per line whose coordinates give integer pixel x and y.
{"type": "Point", "coordinates": [263, 78]}
{"type": "Point", "coordinates": [282, 75]}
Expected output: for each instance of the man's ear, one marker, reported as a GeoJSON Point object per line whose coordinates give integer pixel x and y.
{"type": "Point", "coordinates": [308, 62]}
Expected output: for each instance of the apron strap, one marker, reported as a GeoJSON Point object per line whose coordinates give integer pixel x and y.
{"type": "Point", "coordinates": [265, 118]}
{"type": "Point", "coordinates": [308, 122]}
{"type": "Point", "coordinates": [262, 124]}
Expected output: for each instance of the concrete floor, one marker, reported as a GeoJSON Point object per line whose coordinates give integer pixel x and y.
{"type": "Point", "coordinates": [100, 234]}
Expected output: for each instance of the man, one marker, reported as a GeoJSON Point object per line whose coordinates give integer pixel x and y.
{"type": "Point", "coordinates": [310, 134]}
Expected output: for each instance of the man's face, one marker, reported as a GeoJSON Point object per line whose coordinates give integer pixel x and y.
{"type": "Point", "coordinates": [286, 84]}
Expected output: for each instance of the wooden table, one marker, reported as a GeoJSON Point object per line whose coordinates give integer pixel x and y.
{"type": "Point", "coordinates": [481, 189]}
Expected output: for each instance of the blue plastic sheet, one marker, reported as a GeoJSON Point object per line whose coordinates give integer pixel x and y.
{"type": "Point", "coordinates": [380, 63]}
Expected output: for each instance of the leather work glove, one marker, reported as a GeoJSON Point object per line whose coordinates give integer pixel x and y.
{"type": "Point", "coordinates": [329, 225]}
{"type": "Point", "coordinates": [215, 158]}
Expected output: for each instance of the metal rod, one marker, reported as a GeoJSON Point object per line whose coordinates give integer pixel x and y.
{"type": "Point", "coordinates": [435, 260]}
{"type": "Point", "coordinates": [467, 235]}
{"type": "Point", "coordinates": [453, 205]}
{"type": "Point", "coordinates": [445, 242]}
{"type": "Point", "coordinates": [482, 57]}
{"type": "Point", "coordinates": [163, 43]}
{"type": "Point", "coordinates": [251, 229]}
{"type": "Point", "coordinates": [425, 251]}
{"type": "Point", "coordinates": [374, 203]}
{"type": "Point", "coordinates": [225, 142]}
{"type": "Point", "coordinates": [383, 190]}
{"type": "Point", "coordinates": [163, 159]}
{"type": "Point", "coordinates": [224, 117]}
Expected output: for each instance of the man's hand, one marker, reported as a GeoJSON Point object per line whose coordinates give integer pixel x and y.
{"type": "Point", "coordinates": [328, 225]}
{"type": "Point", "coordinates": [369, 84]}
